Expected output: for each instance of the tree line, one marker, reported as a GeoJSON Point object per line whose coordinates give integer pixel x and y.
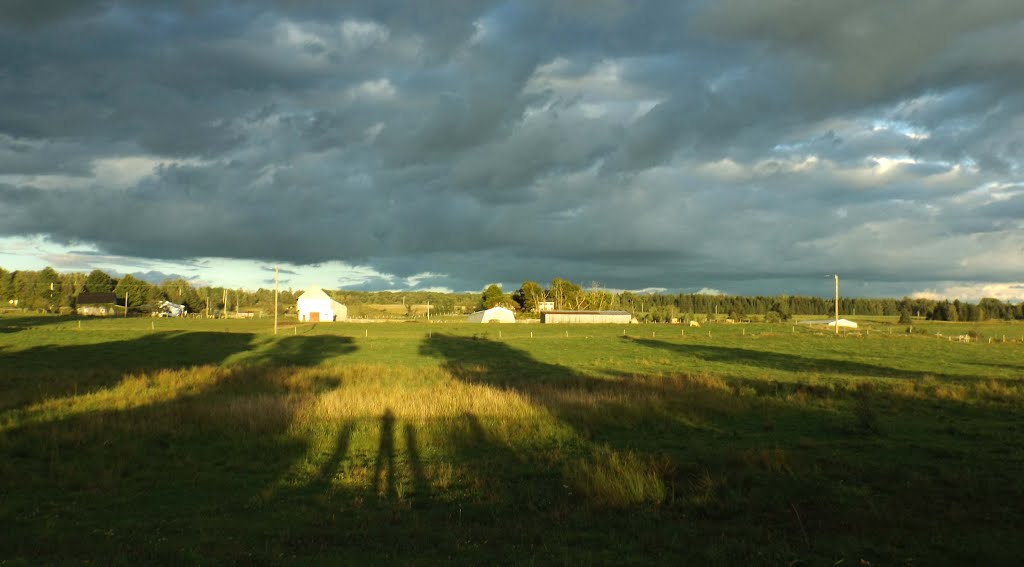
{"type": "Point", "coordinates": [47, 290]}
{"type": "Point", "coordinates": [664, 307]}
{"type": "Point", "coordinates": [50, 291]}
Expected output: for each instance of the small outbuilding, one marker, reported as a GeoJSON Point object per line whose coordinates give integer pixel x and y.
{"type": "Point", "coordinates": [316, 306]}
{"type": "Point", "coordinates": [492, 315]}
{"type": "Point", "coordinates": [577, 317]}
{"type": "Point", "coordinates": [96, 304]}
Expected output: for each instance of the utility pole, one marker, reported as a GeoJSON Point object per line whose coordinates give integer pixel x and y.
{"type": "Point", "coordinates": [126, 304]}
{"type": "Point", "coordinates": [275, 300]}
{"type": "Point", "coordinates": [428, 310]}
{"type": "Point", "coordinates": [225, 303]}
{"type": "Point", "coordinates": [837, 304]}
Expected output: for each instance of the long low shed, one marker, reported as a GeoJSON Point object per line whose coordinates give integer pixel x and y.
{"type": "Point", "coordinates": [585, 317]}
{"type": "Point", "coordinates": [831, 323]}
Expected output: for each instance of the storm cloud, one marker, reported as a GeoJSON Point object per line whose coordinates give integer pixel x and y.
{"type": "Point", "coordinates": [745, 146]}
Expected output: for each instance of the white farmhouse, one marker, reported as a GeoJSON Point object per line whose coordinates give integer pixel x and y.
{"type": "Point", "coordinates": [492, 315]}
{"type": "Point", "coordinates": [316, 306]}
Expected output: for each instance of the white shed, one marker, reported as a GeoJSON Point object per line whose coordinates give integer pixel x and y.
{"type": "Point", "coordinates": [846, 323]}
{"type": "Point", "coordinates": [843, 323]}
{"type": "Point", "coordinates": [577, 317]}
{"type": "Point", "coordinates": [316, 306]}
{"type": "Point", "coordinates": [492, 315]}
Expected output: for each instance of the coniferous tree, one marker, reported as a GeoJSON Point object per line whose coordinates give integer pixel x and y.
{"type": "Point", "coordinates": [99, 282]}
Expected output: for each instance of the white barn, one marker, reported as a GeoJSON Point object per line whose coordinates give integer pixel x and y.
{"type": "Point", "coordinates": [492, 315]}
{"type": "Point", "coordinates": [316, 306]}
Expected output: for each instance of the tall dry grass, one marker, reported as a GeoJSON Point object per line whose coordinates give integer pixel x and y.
{"type": "Point", "coordinates": [547, 421]}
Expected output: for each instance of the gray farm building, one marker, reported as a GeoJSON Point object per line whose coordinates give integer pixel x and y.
{"type": "Point", "coordinates": [96, 304]}
{"type": "Point", "coordinates": [585, 317]}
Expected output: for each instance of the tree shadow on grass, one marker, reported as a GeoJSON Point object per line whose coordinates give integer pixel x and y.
{"type": "Point", "coordinates": [117, 485]}
{"type": "Point", "coordinates": [790, 362]}
{"type": "Point", "coordinates": [222, 476]}
{"type": "Point", "coordinates": [777, 473]}
{"type": "Point", "coordinates": [173, 481]}
{"type": "Point", "coordinates": [563, 391]}
{"type": "Point", "coordinates": [18, 323]}
{"type": "Point", "coordinates": [299, 350]}
{"type": "Point", "coordinates": [48, 371]}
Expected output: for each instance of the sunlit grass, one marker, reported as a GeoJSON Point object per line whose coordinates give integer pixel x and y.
{"type": "Point", "coordinates": [461, 443]}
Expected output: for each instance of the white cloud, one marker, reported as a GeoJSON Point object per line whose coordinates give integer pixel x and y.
{"type": "Point", "coordinates": [603, 81]}
{"type": "Point", "coordinates": [376, 89]}
{"type": "Point", "coordinates": [1010, 291]}
{"type": "Point", "coordinates": [415, 280]}
{"type": "Point", "coordinates": [294, 35]}
{"type": "Point", "coordinates": [883, 165]}
{"type": "Point", "coordinates": [358, 35]}
{"type": "Point", "coordinates": [126, 171]}
{"type": "Point", "coordinates": [119, 172]}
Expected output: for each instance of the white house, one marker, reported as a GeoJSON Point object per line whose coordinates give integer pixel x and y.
{"type": "Point", "coordinates": [170, 309]}
{"type": "Point", "coordinates": [492, 315]}
{"type": "Point", "coordinates": [316, 306]}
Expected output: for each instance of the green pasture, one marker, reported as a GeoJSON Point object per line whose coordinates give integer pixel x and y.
{"type": "Point", "coordinates": [140, 441]}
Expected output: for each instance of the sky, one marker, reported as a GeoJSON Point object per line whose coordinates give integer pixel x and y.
{"type": "Point", "coordinates": [742, 147]}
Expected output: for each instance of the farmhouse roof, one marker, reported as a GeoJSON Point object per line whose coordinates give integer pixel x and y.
{"type": "Point", "coordinates": [96, 298]}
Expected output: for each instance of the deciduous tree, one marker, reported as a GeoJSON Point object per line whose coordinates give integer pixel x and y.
{"type": "Point", "coordinates": [529, 296]}
{"type": "Point", "coordinates": [492, 295]}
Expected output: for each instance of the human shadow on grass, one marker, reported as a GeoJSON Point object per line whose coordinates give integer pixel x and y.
{"type": "Point", "coordinates": [790, 362]}
{"type": "Point", "coordinates": [383, 479]}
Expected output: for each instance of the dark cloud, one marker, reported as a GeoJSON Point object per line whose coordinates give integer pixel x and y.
{"type": "Point", "coordinates": [741, 147]}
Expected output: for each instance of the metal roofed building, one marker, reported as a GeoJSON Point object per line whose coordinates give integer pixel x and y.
{"type": "Point", "coordinates": [492, 315]}
{"type": "Point", "coordinates": [579, 317]}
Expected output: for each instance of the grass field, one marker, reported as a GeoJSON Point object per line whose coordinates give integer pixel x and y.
{"type": "Point", "coordinates": [204, 441]}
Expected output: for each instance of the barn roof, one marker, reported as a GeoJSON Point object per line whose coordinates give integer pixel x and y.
{"type": "Point", "coordinates": [314, 293]}
{"type": "Point", "coordinates": [96, 298]}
